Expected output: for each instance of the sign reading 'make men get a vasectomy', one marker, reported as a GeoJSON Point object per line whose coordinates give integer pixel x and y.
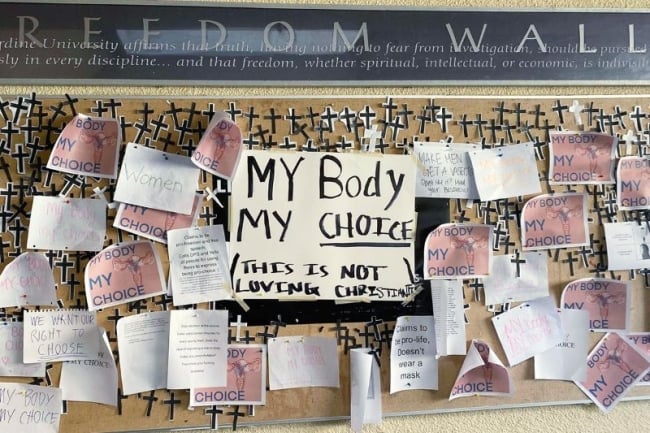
{"type": "Point", "coordinates": [178, 43]}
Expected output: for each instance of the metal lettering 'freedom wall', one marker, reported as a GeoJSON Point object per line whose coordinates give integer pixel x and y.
{"type": "Point", "coordinates": [104, 43]}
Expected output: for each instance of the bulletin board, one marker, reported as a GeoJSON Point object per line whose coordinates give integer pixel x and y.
{"type": "Point", "coordinates": [30, 125]}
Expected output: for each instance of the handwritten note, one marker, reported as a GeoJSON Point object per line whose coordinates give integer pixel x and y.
{"type": "Point", "coordinates": [123, 273]}
{"type": "Point", "coordinates": [198, 262]}
{"type": "Point", "coordinates": [578, 158]}
{"type": "Point", "coordinates": [87, 146]}
{"type": "Point", "coordinates": [614, 366]}
{"type": "Point", "coordinates": [448, 316]}
{"type": "Point", "coordinates": [444, 171]}
{"type": "Point", "coordinates": [198, 341]}
{"type": "Point", "coordinates": [413, 363]}
{"type": "Point", "coordinates": [246, 379]}
{"type": "Point", "coordinates": [73, 224]}
{"type": "Point", "coordinates": [528, 329]}
{"type": "Point", "coordinates": [143, 344]}
{"type": "Point", "coordinates": [155, 179]}
{"type": "Point", "coordinates": [606, 301]}
{"type": "Point", "coordinates": [27, 280]}
{"type": "Point", "coordinates": [60, 335]}
{"type": "Point", "coordinates": [29, 408]}
{"type": "Point", "coordinates": [153, 223]}
{"type": "Point", "coordinates": [482, 373]}
{"type": "Point", "coordinates": [296, 362]}
{"type": "Point", "coordinates": [323, 226]}
{"type": "Point", "coordinates": [458, 251]}
{"type": "Point", "coordinates": [555, 221]}
{"type": "Point", "coordinates": [508, 171]}
{"type": "Point", "coordinates": [633, 183]}
{"type": "Point", "coordinates": [11, 353]}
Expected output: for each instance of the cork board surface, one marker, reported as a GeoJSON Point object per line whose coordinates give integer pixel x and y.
{"type": "Point", "coordinates": [30, 124]}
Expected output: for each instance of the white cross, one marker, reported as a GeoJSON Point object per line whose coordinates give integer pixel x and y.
{"type": "Point", "coordinates": [372, 135]}
{"type": "Point", "coordinates": [212, 196]}
{"type": "Point", "coordinates": [576, 109]}
{"type": "Point", "coordinates": [239, 325]}
{"type": "Point", "coordinates": [629, 138]}
{"type": "Point", "coordinates": [99, 193]}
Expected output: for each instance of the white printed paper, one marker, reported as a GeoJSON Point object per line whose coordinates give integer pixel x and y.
{"type": "Point", "coordinates": [444, 171]}
{"type": "Point", "coordinates": [198, 343]}
{"type": "Point", "coordinates": [143, 344]}
{"type": "Point", "coordinates": [628, 246]}
{"type": "Point", "coordinates": [365, 390]}
{"type": "Point", "coordinates": [508, 171]}
{"type": "Point", "coordinates": [528, 329]}
{"type": "Point", "coordinates": [30, 408]}
{"type": "Point", "coordinates": [296, 362]}
{"type": "Point", "coordinates": [93, 380]}
{"type": "Point", "coordinates": [72, 224]}
{"type": "Point", "coordinates": [157, 179]}
{"type": "Point", "coordinates": [566, 360]}
{"type": "Point", "coordinates": [60, 335]}
{"type": "Point", "coordinates": [516, 277]}
{"type": "Point", "coordinates": [448, 315]}
{"type": "Point", "coordinates": [11, 353]}
{"type": "Point", "coordinates": [27, 280]}
{"type": "Point", "coordinates": [413, 363]}
{"type": "Point", "coordinates": [198, 265]}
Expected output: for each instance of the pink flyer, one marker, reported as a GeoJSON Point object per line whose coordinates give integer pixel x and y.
{"type": "Point", "coordinates": [633, 183]}
{"type": "Point", "coordinates": [220, 147]}
{"type": "Point", "coordinates": [606, 301]}
{"type": "Point", "coordinates": [482, 373]}
{"type": "Point", "coordinates": [642, 341]}
{"type": "Point", "coordinates": [153, 223]}
{"type": "Point", "coordinates": [458, 251]}
{"type": "Point", "coordinates": [581, 158]}
{"type": "Point", "coordinates": [246, 379]}
{"type": "Point", "coordinates": [613, 367]}
{"type": "Point", "coordinates": [555, 221]}
{"type": "Point", "coordinates": [123, 273]}
{"type": "Point", "coordinates": [87, 146]}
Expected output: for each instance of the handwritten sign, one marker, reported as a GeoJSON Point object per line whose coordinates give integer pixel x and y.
{"type": "Point", "coordinates": [27, 280]}
{"type": "Point", "coordinates": [444, 170]}
{"type": "Point", "coordinates": [11, 353]}
{"type": "Point", "coordinates": [156, 179]}
{"type": "Point", "coordinates": [528, 329]}
{"type": "Point", "coordinates": [123, 273]}
{"type": "Point", "coordinates": [74, 224]}
{"type": "Point", "coordinates": [153, 223]}
{"type": "Point", "coordinates": [516, 277]}
{"type": "Point", "coordinates": [633, 183]}
{"type": "Point", "coordinates": [220, 147]}
{"type": "Point", "coordinates": [581, 158]}
{"type": "Point", "coordinates": [482, 373]}
{"type": "Point", "coordinates": [60, 335]}
{"type": "Point", "coordinates": [413, 363]}
{"type": "Point", "coordinates": [88, 146]}
{"type": "Point", "coordinates": [606, 301]}
{"type": "Point", "coordinates": [323, 226]}
{"type": "Point", "coordinates": [246, 379]}
{"type": "Point", "coordinates": [296, 362]}
{"type": "Point", "coordinates": [555, 221]}
{"type": "Point", "coordinates": [614, 366]}
{"type": "Point", "coordinates": [198, 265]}
{"type": "Point", "coordinates": [504, 172]}
{"type": "Point", "coordinates": [458, 251]}
{"type": "Point", "coordinates": [29, 408]}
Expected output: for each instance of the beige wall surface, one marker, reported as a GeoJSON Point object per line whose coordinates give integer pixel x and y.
{"type": "Point", "coordinates": [630, 417]}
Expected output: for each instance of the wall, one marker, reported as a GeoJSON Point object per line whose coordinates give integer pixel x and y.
{"type": "Point", "coordinates": [626, 417]}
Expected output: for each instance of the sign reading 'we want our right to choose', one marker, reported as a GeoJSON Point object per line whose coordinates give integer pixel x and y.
{"type": "Point", "coordinates": [323, 226]}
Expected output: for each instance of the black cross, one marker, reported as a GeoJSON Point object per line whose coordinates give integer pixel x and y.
{"type": "Point", "coordinates": [301, 130]}
{"type": "Point", "coordinates": [113, 105]}
{"type": "Point", "coordinates": [338, 328]}
{"type": "Point", "coordinates": [235, 416]}
{"type": "Point", "coordinates": [124, 125]}
{"type": "Point", "coordinates": [159, 125]}
{"type": "Point", "coordinates": [29, 129]}
{"type": "Point", "coordinates": [164, 301]}
{"type": "Point", "coordinates": [142, 127]}
{"type": "Point", "coordinates": [464, 123]}
{"type": "Point", "coordinates": [367, 115]}
{"type": "Point", "coordinates": [366, 334]}
{"type": "Point", "coordinates": [17, 230]}
{"type": "Point", "coordinates": [309, 146]}
{"type": "Point", "coordinates": [387, 334]}
{"type": "Point", "coordinates": [374, 322]}
{"type": "Point", "coordinates": [49, 129]}
{"type": "Point", "coordinates": [570, 260]}
{"type": "Point", "coordinates": [500, 231]}
{"type": "Point", "coordinates": [251, 116]}
{"type": "Point", "coordinates": [209, 112]}
{"type": "Point", "coordinates": [213, 411]}
{"type": "Point", "coordinates": [3, 105]}
{"type": "Point", "coordinates": [395, 125]}
{"type": "Point", "coordinates": [137, 306]}
{"type": "Point", "coordinates": [64, 264]}
{"type": "Point", "coordinates": [560, 109]}
{"type": "Point", "coordinates": [518, 111]}
{"type": "Point", "coordinates": [508, 129]}
{"type": "Point", "coordinates": [172, 402]}
{"type": "Point", "coordinates": [590, 110]}
{"type": "Point", "coordinates": [539, 148]}
{"type": "Point", "coordinates": [99, 108]}
{"type": "Point", "coordinates": [423, 118]}
{"type": "Point", "coordinates": [328, 117]}
{"type": "Point", "coordinates": [151, 398]}
{"type": "Point", "coordinates": [70, 102]}
{"type": "Point", "coordinates": [619, 114]}
{"type": "Point", "coordinates": [185, 129]}
{"type": "Point", "coordinates": [476, 286]}
{"type": "Point", "coordinates": [517, 260]}
{"type": "Point", "coordinates": [547, 130]}
{"type": "Point", "coordinates": [443, 117]}
{"type": "Point", "coordinates": [58, 111]}
{"type": "Point", "coordinates": [120, 397]}
{"type": "Point", "coordinates": [266, 334]}
{"type": "Point", "coordinates": [33, 102]}
{"type": "Point", "coordinates": [347, 116]}
{"type": "Point", "coordinates": [72, 283]}
{"type": "Point", "coordinates": [250, 142]}
{"type": "Point", "coordinates": [389, 106]}
{"type": "Point", "coordinates": [9, 130]}
{"type": "Point", "coordinates": [493, 128]}
{"type": "Point", "coordinates": [261, 133]}
{"type": "Point", "coordinates": [292, 117]}
{"type": "Point", "coordinates": [637, 115]}
{"type": "Point", "coordinates": [501, 110]}
{"type": "Point", "coordinates": [233, 111]}
{"type": "Point", "coordinates": [405, 113]}
{"type": "Point", "coordinates": [350, 341]}
{"type": "Point", "coordinates": [277, 324]}
{"type": "Point", "coordinates": [312, 116]}
{"type": "Point", "coordinates": [174, 112]}
{"type": "Point", "coordinates": [19, 106]}
{"type": "Point", "coordinates": [272, 117]}
{"type": "Point", "coordinates": [538, 114]}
